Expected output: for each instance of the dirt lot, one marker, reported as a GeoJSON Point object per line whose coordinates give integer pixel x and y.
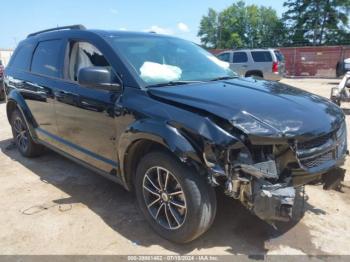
{"type": "Point", "coordinates": [50, 205]}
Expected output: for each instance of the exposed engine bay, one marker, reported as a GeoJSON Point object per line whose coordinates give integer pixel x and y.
{"type": "Point", "coordinates": [265, 178]}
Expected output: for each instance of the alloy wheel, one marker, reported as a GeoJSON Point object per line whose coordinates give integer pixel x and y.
{"type": "Point", "coordinates": [21, 134]}
{"type": "Point", "coordinates": [164, 198]}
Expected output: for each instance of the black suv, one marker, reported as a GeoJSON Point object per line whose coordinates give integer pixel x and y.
{"type": "Point", "coordinates": [169, 121]}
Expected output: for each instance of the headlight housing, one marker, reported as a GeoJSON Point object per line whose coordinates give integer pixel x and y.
{"type": "Point", "coordinates": [250, 124]}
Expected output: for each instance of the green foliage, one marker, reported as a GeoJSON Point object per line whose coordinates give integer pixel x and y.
{"type": "Point", "coordinates": [317, 22]}
{"type": "Point", "coordinates": [241, 25]}
{"type": "Point", "coordinates": [305, 22]}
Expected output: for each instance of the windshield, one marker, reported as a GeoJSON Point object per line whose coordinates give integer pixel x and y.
{"type": "Point", "coordinates": [160, 60]}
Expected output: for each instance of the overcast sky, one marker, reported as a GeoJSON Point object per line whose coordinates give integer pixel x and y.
{"type": "Point", "coordinates": [177, 17]}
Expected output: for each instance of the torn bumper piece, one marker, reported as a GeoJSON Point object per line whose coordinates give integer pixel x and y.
{"type": "Point", "coordinates": [274, 202]}
{"type": "Point", "coordinates": [270, 202]}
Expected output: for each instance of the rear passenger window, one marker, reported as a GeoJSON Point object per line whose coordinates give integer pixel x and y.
{"type": "Point", "coordinates": [224, 57]}
{"type": "Point", "coordinates": [46, 58]}
{"type": "Point", "coordinates": [22, 57]}
{"type": "Point", "coordinates": [240, 57]}
{"type": "Point", "coordinates": [262, 56]}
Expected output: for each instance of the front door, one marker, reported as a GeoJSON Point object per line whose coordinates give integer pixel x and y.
{"type": "Point", "coordinates": [85, 116]}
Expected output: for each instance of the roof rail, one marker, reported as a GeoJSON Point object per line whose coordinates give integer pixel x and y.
{"type": "Point", "coordinates": [80, 27]}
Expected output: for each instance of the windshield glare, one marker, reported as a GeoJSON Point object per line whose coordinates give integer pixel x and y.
{"type": "Point", "coordinates": [160, 60]}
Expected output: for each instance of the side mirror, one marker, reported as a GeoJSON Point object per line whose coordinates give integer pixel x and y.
{"type": "Point", "coordinates": [98, 78]}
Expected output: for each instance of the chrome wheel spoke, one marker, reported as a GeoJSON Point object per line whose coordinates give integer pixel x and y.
{"type": "Point", "coordinates": [157, 188]}
{"type": "Point", "coordinates": [154, 202]}
{"type": "Point", "coordinates": [176, 217]}
{"type": "Point", "coordinates": [176, 193]}
{"type": "Point", "coordinates": [151, 191]}
{"type": "Point", "coordinates": [17, 126]}
{"type": "Point", "coordinates": [166, 181]}
{"type": "Point", "coordinates": [159, 209]}
{"type": "Point", "coordinates": [159, 178]}
{"type": "Point", "coordinates": [178, 204]}
{"type": "Point", "coordinates": [167, 216]}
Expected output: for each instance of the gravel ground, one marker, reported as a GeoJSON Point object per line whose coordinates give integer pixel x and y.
{"type": "Point", "coordinates": [50, 205]}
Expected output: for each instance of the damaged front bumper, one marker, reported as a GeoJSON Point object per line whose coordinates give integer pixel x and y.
{"type": "Point", "coordinates": [269, 189]}
{"type": "Point", "coordinates": [273, 201]}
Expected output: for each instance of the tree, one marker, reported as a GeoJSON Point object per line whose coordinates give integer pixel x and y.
{"type": "Point", "coordinates": [208, 31]}
{"type": "Point", "coordinates": [241, 25]}
{"type": "Point", "coordinates": [317, 21]}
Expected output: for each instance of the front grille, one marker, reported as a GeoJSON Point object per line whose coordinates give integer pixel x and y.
{"type": "Point", "coordinates": [318, 160]}
{"type": "Point", "coordinates": [322, 150]}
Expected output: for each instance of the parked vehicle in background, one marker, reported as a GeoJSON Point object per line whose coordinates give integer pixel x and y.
{"type": "Point", "coordinates": [170, 122]}
{"type": "Point", "coordinates": [341, 93]}
{"type": "Point", "coordinates": [343, 67]}
{"type": "Point", "coordinates": [266, 63]}
{"type": "Point", "coordinates": [2, 92]}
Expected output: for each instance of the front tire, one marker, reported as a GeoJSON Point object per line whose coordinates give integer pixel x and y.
{"type": "Point", "coordinates": [22, 138]}
{"type": "Point", "coordinates": [177, 202]}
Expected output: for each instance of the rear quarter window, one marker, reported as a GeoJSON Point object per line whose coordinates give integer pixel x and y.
{"type": "Point", "coordinates": [280, 56]}
{"type": "Point", "coordinates": [261, 56]}
{"type": "Point", "coordinates": [46, 58]}
{"type": "Point", "coordinates": [22, 57]}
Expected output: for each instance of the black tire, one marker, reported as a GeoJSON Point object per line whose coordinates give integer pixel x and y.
{"type": "Point", "coordinates": [255, 74]}
{"type": "Point", "coordinates": [198, 197]}
{"type": "Point", "coordinates": [2, 93]}
{"type": "Point", "coordinates": [22, 138]}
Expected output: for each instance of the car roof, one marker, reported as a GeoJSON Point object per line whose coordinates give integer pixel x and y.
{"type": "Point", "coordinates": [250, 50]}
{"type": "Point", "coordinates": [102, 33]}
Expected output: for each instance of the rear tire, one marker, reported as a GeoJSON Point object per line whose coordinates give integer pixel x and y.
{"type": "Point", "coordinates": [255, 74]}
{"type": "Point", "coordinates": [2, 93]}
{"type": "Point", "coordinates": [195, 200]}
{"type": "Point", "coordinates": [22, 138]}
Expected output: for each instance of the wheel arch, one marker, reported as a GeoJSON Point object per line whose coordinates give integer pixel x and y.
{"type": "Point", "coordinates": [147, 136]}
{"type": "Point", "coordinates": [16, 101]}
{"type": "Point", "coordinates": [254, 72]}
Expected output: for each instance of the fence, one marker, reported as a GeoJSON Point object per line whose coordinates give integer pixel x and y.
{"type": "Point", "coordinates": [314, 61]}
{"type": "Point", "coordinates": [320, 61]}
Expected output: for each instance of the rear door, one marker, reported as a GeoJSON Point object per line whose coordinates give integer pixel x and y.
{"type": "Point", "coordinates": [34, 72]}
{"type": "Point", "coordinates": [262, 61]}
{"type": "Point", "coordinates": [239, 62]}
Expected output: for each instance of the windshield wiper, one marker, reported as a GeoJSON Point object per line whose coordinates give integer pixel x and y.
{"type": "Point", "coordinates": [223, 78]}
{"type": "Point", "coordinates": [173, 83]}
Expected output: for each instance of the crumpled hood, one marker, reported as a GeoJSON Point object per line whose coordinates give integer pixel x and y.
{"type": "Point", "coordinates": [259, 107]}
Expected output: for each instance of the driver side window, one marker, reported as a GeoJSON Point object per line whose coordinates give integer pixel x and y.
{"type": "Point", "coordinates": [84, 54]}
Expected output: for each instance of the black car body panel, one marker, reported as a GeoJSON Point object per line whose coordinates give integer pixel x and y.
{"type": "Point", "coordinates": [288, 111]}
{"type": "Point", "coordinates": [244, 135]}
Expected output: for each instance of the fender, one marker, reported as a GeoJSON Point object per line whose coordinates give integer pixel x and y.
{"type": "Point", "coordinates": [159, 132]}
{"type": "Point", "coordinates": [14, 96]}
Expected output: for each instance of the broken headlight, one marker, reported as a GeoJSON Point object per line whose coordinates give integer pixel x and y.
{"type": "Point", "coordinates": [252, 125]}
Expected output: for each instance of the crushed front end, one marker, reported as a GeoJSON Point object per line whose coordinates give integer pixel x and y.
{"type": "Point", "coordinates": [264, 175]}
